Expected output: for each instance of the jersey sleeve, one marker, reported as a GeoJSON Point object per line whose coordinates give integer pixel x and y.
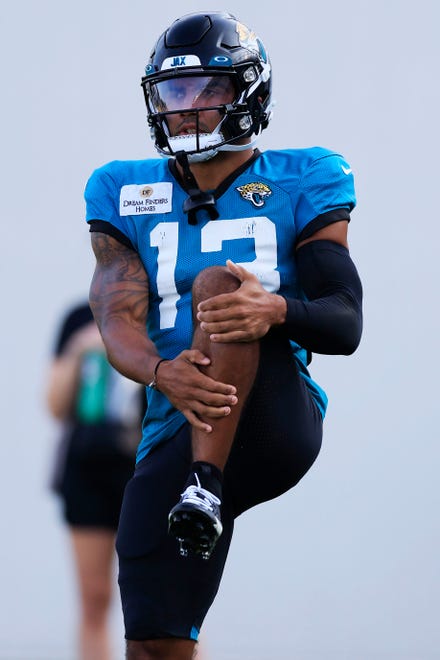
{"type": "Point", "coordinates": [326, 190]}
{"type": "Point", "coordinates": [102, 203]}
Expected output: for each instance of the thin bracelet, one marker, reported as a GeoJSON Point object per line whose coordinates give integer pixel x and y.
{"type": "Point", "coordinates": [153, 383]}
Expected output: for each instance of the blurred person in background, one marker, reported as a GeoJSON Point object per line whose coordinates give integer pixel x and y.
{"type": "Point", "coordinates": [100, 413]}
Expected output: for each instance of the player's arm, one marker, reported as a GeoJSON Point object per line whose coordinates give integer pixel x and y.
{"type": "Point", "coordinates": [119, 302]}
{"type": "Point", "coordinates": [330, 321]}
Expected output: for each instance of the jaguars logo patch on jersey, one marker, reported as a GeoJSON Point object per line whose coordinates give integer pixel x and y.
{"type": "Point", "coordinates": [257, 193]}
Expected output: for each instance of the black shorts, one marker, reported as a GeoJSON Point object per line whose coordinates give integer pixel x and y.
{"type": "Point", "coordinates": [278, 439]}
{"type": "Point", "coordinates": [92, 488]}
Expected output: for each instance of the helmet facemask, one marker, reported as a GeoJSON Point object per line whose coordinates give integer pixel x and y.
{"type": "Point", "coordinates": [200, 111]}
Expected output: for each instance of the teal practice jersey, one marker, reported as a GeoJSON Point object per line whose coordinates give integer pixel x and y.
{"type": "Point", "coordinates": [263, 210]}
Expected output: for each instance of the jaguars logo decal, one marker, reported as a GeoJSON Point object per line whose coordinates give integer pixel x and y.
{"type": "Point", "coordinates": [257, 193]}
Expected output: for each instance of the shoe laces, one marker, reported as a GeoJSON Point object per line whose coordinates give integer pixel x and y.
{"type": "Point", "coordinates": [200, 496]}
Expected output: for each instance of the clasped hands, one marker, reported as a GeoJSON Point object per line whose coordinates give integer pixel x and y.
{"type": "Point", "coordinates": [243, 315]}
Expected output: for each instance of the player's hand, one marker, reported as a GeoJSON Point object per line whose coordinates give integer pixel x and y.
{"type": "Point", "coordinates": [246, 314]}
{"type": "Point", "coordinates": [192, 392]}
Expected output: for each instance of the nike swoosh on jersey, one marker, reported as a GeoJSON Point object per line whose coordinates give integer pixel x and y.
{"type": "Point", "coordinates": [346, 170]}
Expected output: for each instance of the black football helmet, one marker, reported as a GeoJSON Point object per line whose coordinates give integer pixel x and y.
{"type": "Point", "coordinates": [211, 49]}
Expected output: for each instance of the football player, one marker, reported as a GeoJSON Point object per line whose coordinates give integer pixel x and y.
{"type": "Point", "coordinates": [220, 269]}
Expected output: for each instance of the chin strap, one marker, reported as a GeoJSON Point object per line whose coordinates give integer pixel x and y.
{"type": "Point", "coordinates": [198, 200]}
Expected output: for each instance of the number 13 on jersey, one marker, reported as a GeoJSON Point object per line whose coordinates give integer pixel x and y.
{"type": "Point", "coordinates": [165, 236]}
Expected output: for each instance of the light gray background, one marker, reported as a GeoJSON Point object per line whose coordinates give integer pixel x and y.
{"type": "Point", "coordinates": [346, 566]}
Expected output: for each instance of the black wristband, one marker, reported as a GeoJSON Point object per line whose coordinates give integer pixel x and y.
{"type": "Point", "coordinates": [153, 384]}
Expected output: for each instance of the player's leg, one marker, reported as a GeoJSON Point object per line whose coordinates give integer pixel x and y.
{"type": "Point", "coordinates": [163, 649]}
{"type": "Point", "coordinates": [195, 519]}
{"type": "Point", "coordinates": [164, 597]}
{"type": "Point", "coordinates": [93, 552]}
{"type": "Point", "coordinates": [280, 433]}
{"type": "Point", "coordinates": [235, 363]}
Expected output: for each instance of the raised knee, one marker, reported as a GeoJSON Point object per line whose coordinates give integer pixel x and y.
{"type": "Point", "coordinates": [212, 281]}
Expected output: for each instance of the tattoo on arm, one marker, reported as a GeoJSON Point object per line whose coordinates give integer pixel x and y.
{"type": "Point", "coordinates": [119, 286]}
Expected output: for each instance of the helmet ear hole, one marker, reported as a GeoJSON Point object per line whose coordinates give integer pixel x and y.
{"type": "Point", "coordinates": [210, 44]}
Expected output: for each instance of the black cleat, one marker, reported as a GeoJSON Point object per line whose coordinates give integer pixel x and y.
{"type": "Point", "coordinates": [195, 521]}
